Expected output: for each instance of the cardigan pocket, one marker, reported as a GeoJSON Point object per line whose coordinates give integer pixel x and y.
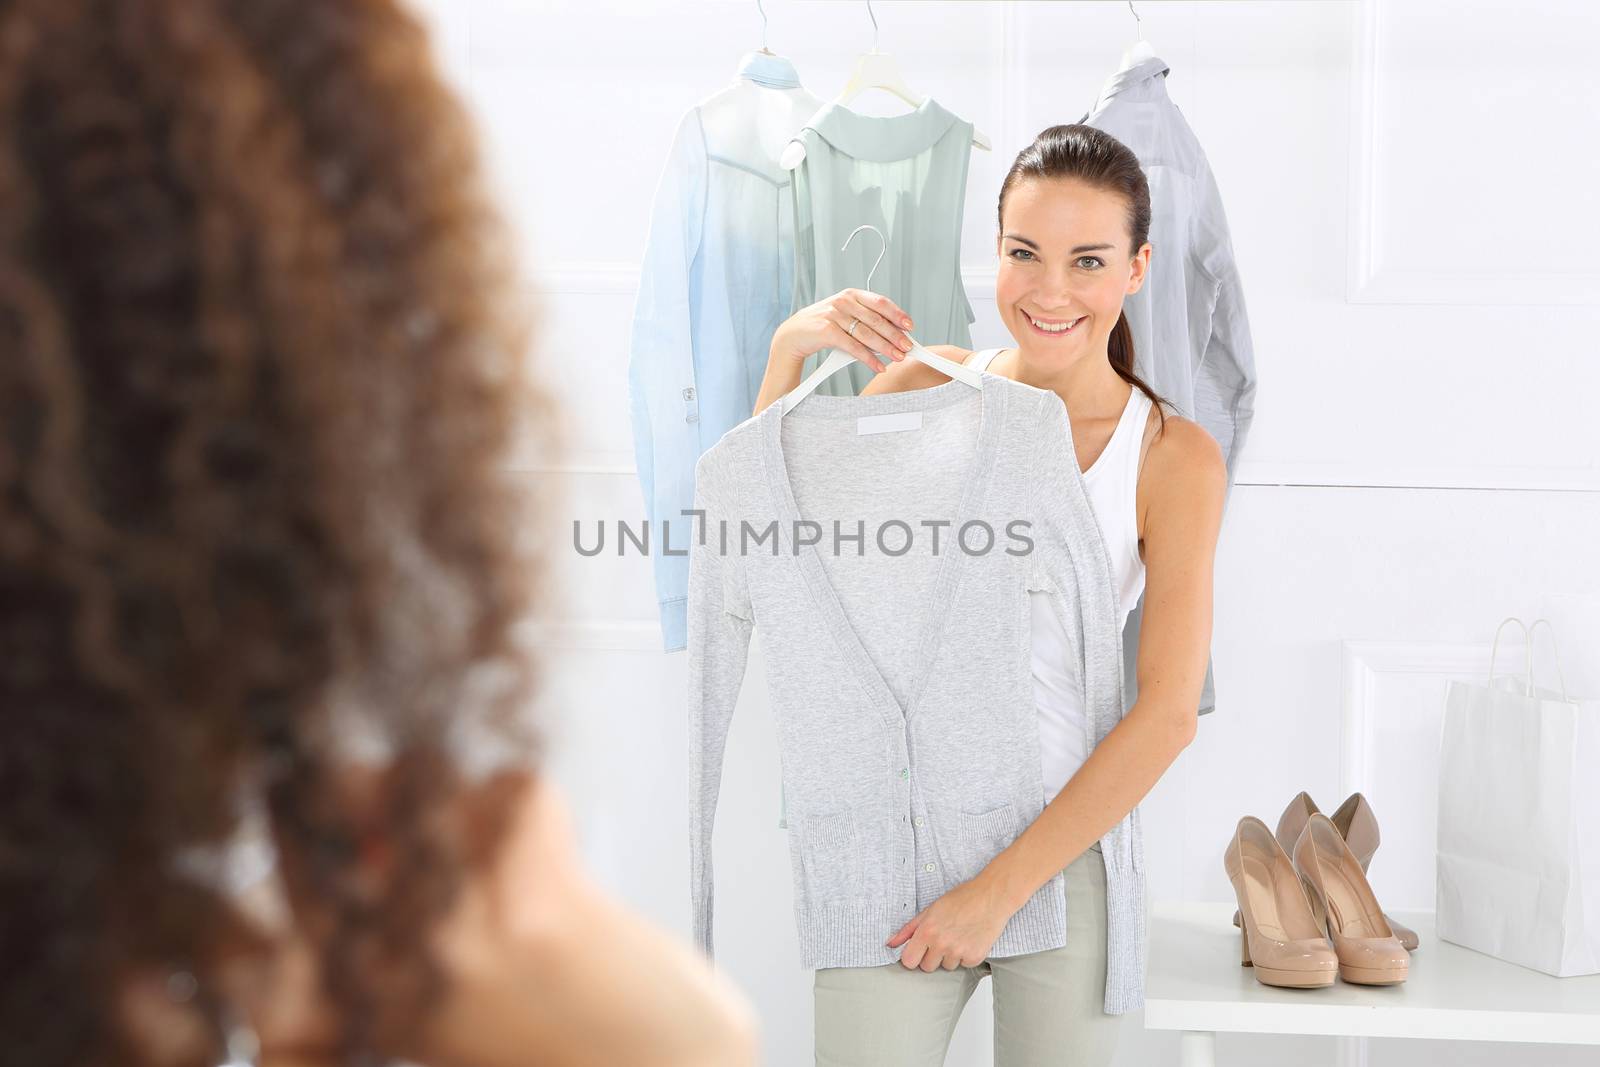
{"type": "Point", "coordinates": [984, 835]}
{"type": "Point", "coordinates": [830, 856]}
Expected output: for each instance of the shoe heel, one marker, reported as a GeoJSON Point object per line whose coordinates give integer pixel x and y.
{"type": "Point", "coordinates": [1244, 948]}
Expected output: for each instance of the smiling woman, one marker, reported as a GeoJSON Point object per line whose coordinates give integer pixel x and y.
{"type": "Point", "coordinates": [1053, 284]}
{"type": "Point", "coordinates": [1044, 323]}
{"type": "Point", "coordinates": [1072, 241]}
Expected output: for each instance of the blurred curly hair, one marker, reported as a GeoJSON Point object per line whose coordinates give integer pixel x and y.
{"type": "Point", "coordinates": [260, 375]}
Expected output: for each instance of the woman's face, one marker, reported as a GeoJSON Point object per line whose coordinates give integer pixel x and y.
{"type": "Point", "coordinates": [1064, 258]}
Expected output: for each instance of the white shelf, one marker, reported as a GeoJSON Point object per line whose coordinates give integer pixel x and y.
{"type": "Point", "coordinates": [1196, 983]}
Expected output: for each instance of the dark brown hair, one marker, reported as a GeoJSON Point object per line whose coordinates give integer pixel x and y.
{"type": "Point", "coordinates": [1091, 155]}
{"type": "Point", "coordinates": [260, 367]}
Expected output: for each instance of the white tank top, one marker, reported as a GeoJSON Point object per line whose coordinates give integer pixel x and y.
{"type": "Point", "coordinates": [1112, 482]}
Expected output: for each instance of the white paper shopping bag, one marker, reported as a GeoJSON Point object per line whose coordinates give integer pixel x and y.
{"type": "Point", "coordinates": [1519, 822]}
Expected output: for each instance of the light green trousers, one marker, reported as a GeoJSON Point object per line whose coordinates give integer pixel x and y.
{"type": "Point", "coordinates": [1049, 1007]}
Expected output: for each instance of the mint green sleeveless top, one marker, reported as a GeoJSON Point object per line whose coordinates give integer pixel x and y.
{"type": "Point", "coordinates": [906, 175]}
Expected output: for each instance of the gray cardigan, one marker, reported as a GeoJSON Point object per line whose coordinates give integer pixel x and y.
{"type": "Point", "coordinates": [896, 643]}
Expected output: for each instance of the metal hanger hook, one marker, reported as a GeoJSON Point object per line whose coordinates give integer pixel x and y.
{"type": "Point", "coordinates": [883, 246]}
{"type": "Point", "coordinates": [1138, 23]}
{"type": "Point", "coordinates": [874, 19]}
{"type": "Point", "coordinates": [763, 25]}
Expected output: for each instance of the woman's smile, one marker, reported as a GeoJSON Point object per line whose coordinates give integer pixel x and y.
{"type": "Point", "coordinates": [1053, 327]}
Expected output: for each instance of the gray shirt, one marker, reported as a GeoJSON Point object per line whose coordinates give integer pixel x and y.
{"type": "Point", "coordinates": [1191, 336]}
{"type": "Point", "coordinates": [906, 175]}
{"type": "Point", "coordinates": [896, 654]}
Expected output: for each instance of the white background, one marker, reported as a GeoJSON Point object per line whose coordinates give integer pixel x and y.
{"type": "Point", "coordinates": [1411, 189]}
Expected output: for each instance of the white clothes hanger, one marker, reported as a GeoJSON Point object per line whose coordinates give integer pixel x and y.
{"type": "Point", "coordinates": [1141, 49]}
{"type": "Point", "coordinates": [836, 359]}
{"type": "Point", "coordinates": [764, 49]}
{"type": "Point", "coordinates": [873, 70]}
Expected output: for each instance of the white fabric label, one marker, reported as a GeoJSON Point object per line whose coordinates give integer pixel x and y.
{"type": "Point", "coordinates": [899, 420]}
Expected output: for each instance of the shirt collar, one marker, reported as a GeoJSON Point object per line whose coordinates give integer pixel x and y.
{"type": "Point", "coordinates": [775, 72]}
{"type": "Point", "coordinates": [1136, 82]}
{"type": "Point", "coordinates": [883, 138]}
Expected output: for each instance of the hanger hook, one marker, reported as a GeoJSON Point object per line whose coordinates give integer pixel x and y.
{"type": "Point", "coordinates": [874, 19]}
{"type": "Point", "coordinates": [1138, 24]}
{"type": "Point", "coordinates": [763, 25]}
{"type": "Point", "coordinates": [883, 246]}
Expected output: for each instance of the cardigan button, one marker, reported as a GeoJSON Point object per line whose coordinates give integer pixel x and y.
{"type": "Point", "coordinates": [928, 867]}
{"type": "Point", "coordinates": [905, 772]}
{"type": "Point", "coordinates": [919, 820]}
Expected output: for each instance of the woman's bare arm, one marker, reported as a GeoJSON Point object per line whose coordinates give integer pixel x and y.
{"type": "Point", "coordinates": [1181, 531]}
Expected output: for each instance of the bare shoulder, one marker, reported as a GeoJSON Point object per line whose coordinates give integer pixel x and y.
{"type": "Point", "coordinates": [1184, 468]}
{"type": "Point", "coordinates": [904, 375]}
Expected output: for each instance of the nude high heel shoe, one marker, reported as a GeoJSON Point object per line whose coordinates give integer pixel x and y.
{"type": "Point", "coordinates": [1357, 824]}
{"type": "Point", "coordinates": [1279, 936]}
{"type": "Point", "coordinates": [1368, 951]}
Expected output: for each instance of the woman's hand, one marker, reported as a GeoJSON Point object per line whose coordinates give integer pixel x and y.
{"type": "Point", "coordinates": [879, 329]}
{"type": "Point", "coordinates": [957, 930]}
{"type": "Point", "coordinates": [879, 326]}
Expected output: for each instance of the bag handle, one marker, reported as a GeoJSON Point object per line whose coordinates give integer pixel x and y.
{"type": "Point", "coordinates": [1556, 651]}
{"type": "Point", "coordinates": [1495, 647]}
{"type": "Point", "coordinates": [1527, 648]}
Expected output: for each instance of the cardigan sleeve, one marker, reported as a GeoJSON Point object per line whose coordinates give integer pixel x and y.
{"type": "Point", "coordinates": [719, 624]}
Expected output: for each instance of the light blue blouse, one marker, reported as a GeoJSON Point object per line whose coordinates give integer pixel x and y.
{"type": "Point", "coordinates": [906, 175]}
{"type": "Point", "coordinates": [715, 283]}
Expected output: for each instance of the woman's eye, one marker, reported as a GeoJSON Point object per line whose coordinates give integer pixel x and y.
{"type": "Point", "coordinates": [1090, 259]}
{"type": "Point", "coordinates": [1021, 252]}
